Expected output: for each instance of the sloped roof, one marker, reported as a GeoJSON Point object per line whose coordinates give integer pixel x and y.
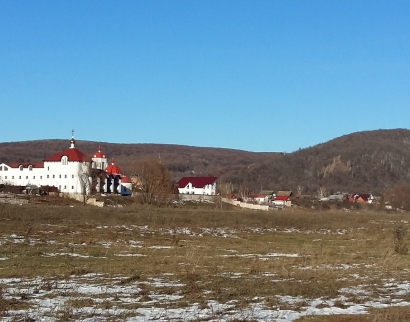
{"type": "Point", "coordinates": [284, 193]}
{"type": "Point", "coordinates": [266, 192]}
{"type": "Point", "coordinates": [25, 165]}
{"type": "Point", "coordinates": [125, 179]}
{"type": "Point", "coordinates": [282, 198]}
{"type": "Point", "coordinates": [197, 182]}
{"type": "Point", "coordinates": [73, 155]}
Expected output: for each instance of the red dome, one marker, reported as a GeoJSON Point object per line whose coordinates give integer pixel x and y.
{"type": "Point", "coordinates": [113, 169]}
{"type": "Point", "coordinates": [99, 154]}
{"type": "Point", "coordinates": [125, 179]}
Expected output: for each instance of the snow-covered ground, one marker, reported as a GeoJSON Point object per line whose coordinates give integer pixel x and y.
{"type": "Point", "coordinates": [97, 297]}
{"type": "Point", "coordinates": [94, 297]}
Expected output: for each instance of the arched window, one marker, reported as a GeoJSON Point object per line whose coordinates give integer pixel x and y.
{"type": "Point", "coordinates": [30, 167]}
{"type": "Point", "coordinates": [64, 160]}
{"type": "Point", "coordinates": [21, 167]}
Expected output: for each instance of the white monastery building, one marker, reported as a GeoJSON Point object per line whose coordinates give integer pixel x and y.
{"type": "Point", "coordinates": [70, 171]}
{"type": "Point", "coordinates": [197, 185]}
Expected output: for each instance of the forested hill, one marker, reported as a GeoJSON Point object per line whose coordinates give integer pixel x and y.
{"type": "Point", "coordinates": [181, 160]}
{"type": "Point", "coordinates": [362, 162]}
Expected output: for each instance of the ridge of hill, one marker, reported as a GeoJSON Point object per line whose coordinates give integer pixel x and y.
{"type": "Point", "coordinates": [180, 159]}
{"type": "Point", "coordinates": [362, 162]}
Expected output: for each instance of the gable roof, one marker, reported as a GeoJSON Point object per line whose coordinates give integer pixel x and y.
{"type": "Point", "coordinates": [197, 182]}
{"type": "Point", "coordinates": [282, 198]}
{"type": "Point", "coordinates": [284, 193]}
{"type": "Point", "coordinates": [73, 155]}
{"type": "Point", "coordinates": [266, 192]}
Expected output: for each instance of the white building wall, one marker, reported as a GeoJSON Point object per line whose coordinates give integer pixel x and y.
{"type": "Point", "coordinates": [126, 188]}
{"type": "Point", "coordinates": [209, 189]}
{"type": "Point", "coordinates": [99, 163]}
{"type": "Point", "coordinates": [65, 177]}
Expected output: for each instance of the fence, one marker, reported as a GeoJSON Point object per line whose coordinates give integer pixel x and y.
{"type": "Point", "coordinates": [246, 205]}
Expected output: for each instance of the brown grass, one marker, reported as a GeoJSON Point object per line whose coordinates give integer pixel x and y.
{"type": "Point", "coordinates": [227, 256]}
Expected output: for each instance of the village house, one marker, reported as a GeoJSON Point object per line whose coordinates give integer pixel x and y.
{"type": "Point", "coordinates": [363, 198]}
{"type": "Point", "coordinates": [197, 185]}
{"type": "Point", "coordinates": [257, 198]}
{"type": "Point", "coordinates": [282, 200]}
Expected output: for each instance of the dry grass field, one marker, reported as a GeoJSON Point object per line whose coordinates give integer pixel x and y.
{"type": "Point", "coordinates": [202, 263]}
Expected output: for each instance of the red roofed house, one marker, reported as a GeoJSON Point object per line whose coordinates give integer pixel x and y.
{"type": "Point", "coordinates": [197, 185]}
{"type": "Point", "coordinates": [362, 198]}
{"type": "Point", "coordinates": [282, 200]}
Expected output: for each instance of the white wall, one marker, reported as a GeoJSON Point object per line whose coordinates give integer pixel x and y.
{"type": "Point", "coordinates": [65, 177]}
{"type": "Point", "coordinates": [209, 190]}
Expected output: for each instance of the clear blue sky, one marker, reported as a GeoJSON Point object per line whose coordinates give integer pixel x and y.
{"type": "Point", "coordinates": [259, 75]}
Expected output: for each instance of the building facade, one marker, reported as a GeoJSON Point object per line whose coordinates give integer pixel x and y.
{"type": "Point", "coordinates": [197, 185]}
{"type": "Point", "coordinates": [70, 171]}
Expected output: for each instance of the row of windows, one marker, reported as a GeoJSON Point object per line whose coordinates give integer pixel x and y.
{"type": "Point", "coordinates": [65, 188]}
{"type": "Point", "coordinates": [21, 168]}
{"type": "Point", "coordinates": [30, 167]}
{"type": "Point", "coordinates": [41, 177]}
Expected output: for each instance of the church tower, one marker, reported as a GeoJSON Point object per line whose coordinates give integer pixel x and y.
{"type": "Point", "coordinates": [99, 160]}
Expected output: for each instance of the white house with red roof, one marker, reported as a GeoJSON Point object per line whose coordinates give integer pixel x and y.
{"type": "Point", "coordinates": [197, 185]}
{"type": "Point", "coordinates": [282, 200]}
{"type": "Point", "coordinates": [64, 170]}
{"type": "Point", "coordinates": [70, 171]}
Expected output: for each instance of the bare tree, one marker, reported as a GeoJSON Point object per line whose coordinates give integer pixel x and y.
{"type": "Point", "coordinates": [243, 191]}
{"type": "Point", "coordinates": [225, 188]}
{"type": "Point", "coordinates": [84, 177]}
{"type": "Point", "coordinates": [398, 197]}
{"type": "Point", "coordinates": [154, 180]}
{"type": "Point", "coordinates": [321, 192]}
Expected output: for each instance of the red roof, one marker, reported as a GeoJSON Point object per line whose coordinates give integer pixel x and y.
{"type": "Point", "coordinates": [197, 182]}
{"type": "Point", "coordinates": [25, 165]}
{"type": "Point", "coordinates": [125, 179]}
{"type": "Point", "coordinates": [283, 198]}
{"type": "Point", "coordinates": [113, 169]}
{"type": "Point", "coordinates": [99, 154]}
{"type": "Point", "coordinates": [73, 155]}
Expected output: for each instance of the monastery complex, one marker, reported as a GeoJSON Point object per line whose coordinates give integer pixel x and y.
{"type": "Point", "coordinates": [69, 171]}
